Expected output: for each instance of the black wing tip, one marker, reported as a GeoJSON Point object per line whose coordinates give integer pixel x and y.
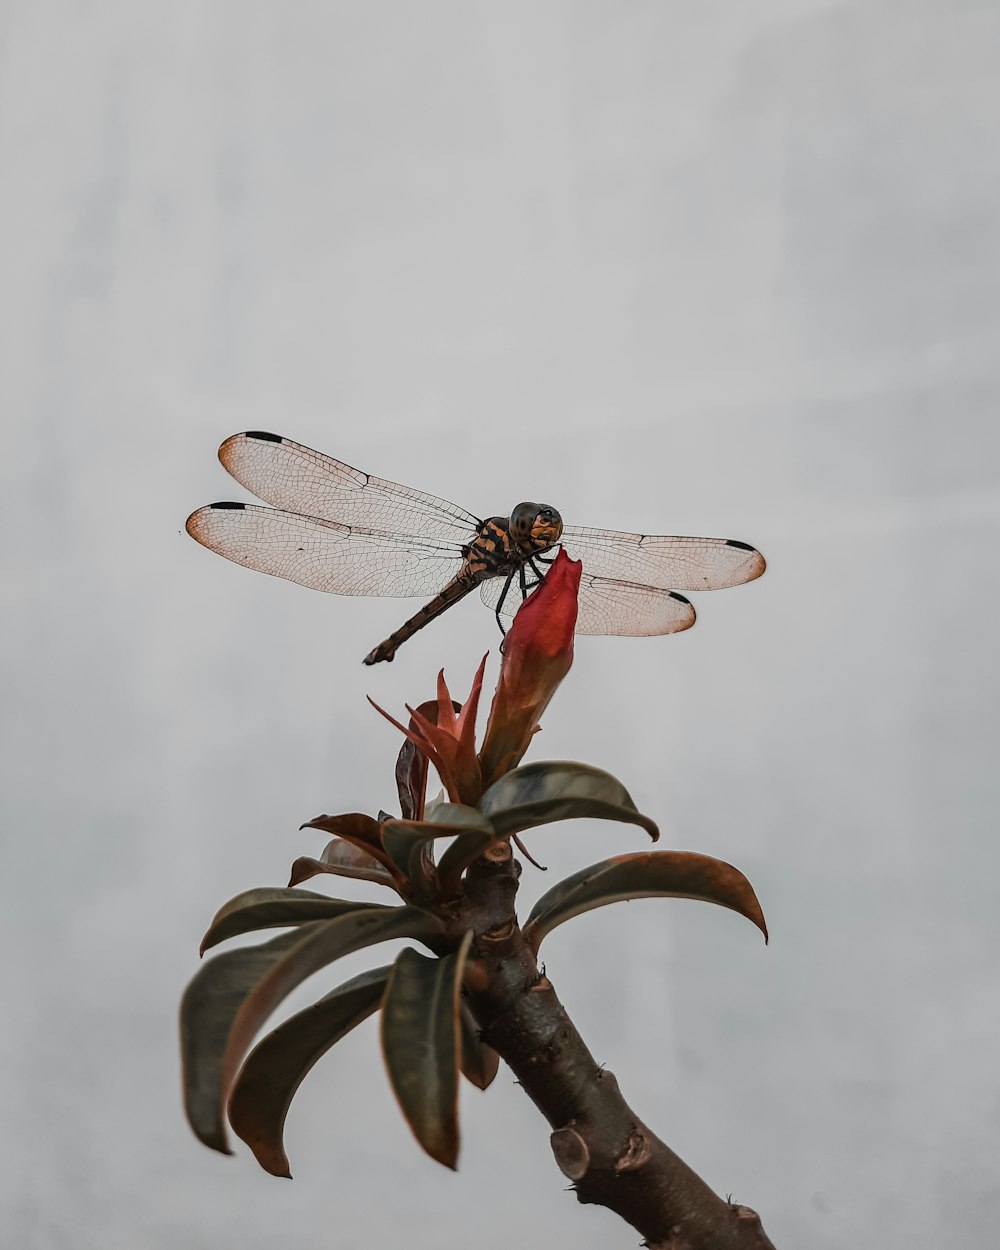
{"type": "Point", "coordinates": [226, 503]}
{"type": "Point", "coordinates": [756, 565]}
{"type": "Point", "coordinates": [262, 436]}
{"type": "Point", "coordinates": [680, 598]}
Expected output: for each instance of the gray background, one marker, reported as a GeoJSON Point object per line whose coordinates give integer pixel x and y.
{"type": "Point", "coordinates": [701, 266]}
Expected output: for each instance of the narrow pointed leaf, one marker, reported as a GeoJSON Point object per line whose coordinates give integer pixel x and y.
{"type": "Point", "coordinates": [411, 765]}
{"type": "Point", "coordinates": [479, 1061]}
{"type": "Point", "coordinates": [277, 1065]}
{"type": "Point", "coordinates": [273, 908]}
{"type": "Point", "coordinates": [343, 859]}
{"type": "Point", "coordinates": [651, 874]}
{"type": "Point", "coordinates": [558, 790]}
{"type": "Point", "coordinates": [234, 993]}
{"type": "Point", "coordinates": [420, 1041]}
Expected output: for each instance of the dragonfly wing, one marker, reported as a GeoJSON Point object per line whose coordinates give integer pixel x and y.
{"type": "Point", "coordinates": [629, 610]}
{"type": "Point", "coordinates": [659, 560]}
{"type": "Point", "coordinates": [607, 606]}
{"type": "Point", "coordinates": [325, 555]}
{"type": "Point", "coordinates": [298, 479]}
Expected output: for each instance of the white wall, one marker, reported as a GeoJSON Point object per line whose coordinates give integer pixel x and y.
{"type": "Point", "coordinates": [697, 266]}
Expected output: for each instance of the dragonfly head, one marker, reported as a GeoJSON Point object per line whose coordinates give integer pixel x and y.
{"type": "Point", "coordinates": [535, 526]}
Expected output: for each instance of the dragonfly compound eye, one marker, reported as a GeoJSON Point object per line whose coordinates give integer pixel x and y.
{"type": "Point", "coordinates": [535, 526]}
{"type": "Point", "coordinates": [522, 521]}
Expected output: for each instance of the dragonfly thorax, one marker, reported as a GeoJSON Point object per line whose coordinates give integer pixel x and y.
{"type": "Point", "coordinates": [535, 526]}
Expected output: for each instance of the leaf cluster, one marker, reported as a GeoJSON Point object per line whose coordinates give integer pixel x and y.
{"type": "Point", "coordinates": [428, 1032]}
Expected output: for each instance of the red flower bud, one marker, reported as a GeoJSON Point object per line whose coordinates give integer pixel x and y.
{"type": "Point", "coordinates": [537, 655]}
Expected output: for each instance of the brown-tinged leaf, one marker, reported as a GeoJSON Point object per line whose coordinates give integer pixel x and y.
{"type": "Point", "coordinates": [479, 1061]}
{"type": "Point", "coordinates": [273, 907]}
{"type": "Point", "coordinates": [411, 779]}
{"type": "Point", "coordinates": [344, 859]}
{"type": "Point", "coordinates": [277, 1065]}
{"type": "Point", "coordinates": [420, 1041]}
{"type": "Point", "coordinates": [234, 993]}
{"type": "Point", "coordinates": [448, 739]}
{"type": "Point", "coordinates": [353, 827]}
{"type": "Point", "coordinates": [550, 790]}
{"type": "Point", "coordinates": [650, 874]}
{"type": "Point", "coordinates": [411, 767]}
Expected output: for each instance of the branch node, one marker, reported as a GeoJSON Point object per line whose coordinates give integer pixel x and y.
{"type": "Point", "coordinates": [571, 1152]}
{"type": "Point", "coordinates": [498, 853]}
{"type": "Point", "coordinates": [635, 1154]}
{"type": "Point", "coordinates": [502, 933]}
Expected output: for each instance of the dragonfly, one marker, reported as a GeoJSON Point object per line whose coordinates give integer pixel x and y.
{"type": "Point", "coordinates": [334, 528]}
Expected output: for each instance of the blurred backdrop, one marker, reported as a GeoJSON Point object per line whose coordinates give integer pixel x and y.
{"type": "Point", "coordinates": [696, 266]}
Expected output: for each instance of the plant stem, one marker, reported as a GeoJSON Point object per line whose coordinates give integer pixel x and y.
{"type": "Point", "coordinates": [599, 1143]}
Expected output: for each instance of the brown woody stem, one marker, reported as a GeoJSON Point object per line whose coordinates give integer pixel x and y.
{"type": "Point", "coordinates": [599, 1143]}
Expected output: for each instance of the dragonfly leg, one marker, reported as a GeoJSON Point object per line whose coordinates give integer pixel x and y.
{"type": "Point", "coordinates": [500, 601]}
{"type": "Point", "coordinates": [539, 575]}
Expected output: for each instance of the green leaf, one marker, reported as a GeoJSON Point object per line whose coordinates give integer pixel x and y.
{"type": "Point", "coordinates": [234, 993]}
{"type": "Point", "coordinates": [463, 851]}
{"type": "Point", "coordinates": [479, 1061]}
{"type": "Point", "coordinates": [277, 1065]}
{"type": "Point", "coordinates": [651, 874]}
{"type": "Point", "coordinates": [273, 908]}
{"type": "Point", "coordinates": [410, 854]}
{"type": "Point", "coordinates": [344, 859]}
{"type": "Point", "coordinates": [420, 1041]}
{"type": "Point", "coordinates": [558, 790]}
{"type": "Point", "coordinates": [447, 818]}
{"type": "Point", "coordinates": [408, 842]}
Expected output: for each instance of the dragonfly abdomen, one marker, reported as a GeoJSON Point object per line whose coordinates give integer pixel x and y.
{"type": "Point", "coordinates": [492, 553]}
{"type": "Point", "coordinates": [456, 589]}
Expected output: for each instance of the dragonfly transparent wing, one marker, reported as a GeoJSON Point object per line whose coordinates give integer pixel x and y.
{"type": "Point", "coordinates": [325, 555]}
{"type": "Point", "coordinates": [298, 479]}
{"type": "Point", "coordinates": [670, 563]}
{"type": "Point", "coordinates": [607, 606]}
